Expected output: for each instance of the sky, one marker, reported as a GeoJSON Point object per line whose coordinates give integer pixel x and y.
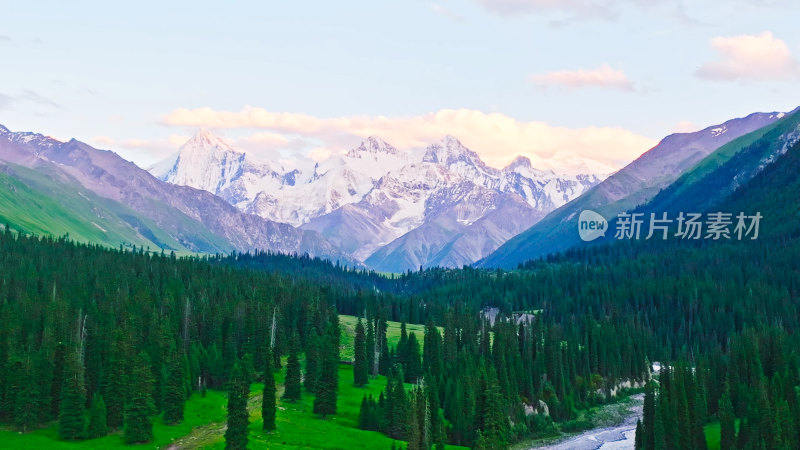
{"type": "Point", "coordinates": [549, 79]}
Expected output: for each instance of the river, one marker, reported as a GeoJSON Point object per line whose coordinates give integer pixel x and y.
{"type": "Point", "coordinates": [606, 438]}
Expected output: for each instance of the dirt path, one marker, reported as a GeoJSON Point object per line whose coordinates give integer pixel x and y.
{"type": "Point", "coordinates": [210, 433]}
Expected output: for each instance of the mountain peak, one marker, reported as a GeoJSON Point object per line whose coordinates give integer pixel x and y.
{"type": "Point", "coordinates": [451, 141]}
{"type": "Point", "coordinates": [519, 161]}
{"type": "Point", "coordinates": [373, 145]}
{"type": "Point", "coordinates": [449, 150]}
{"type": "Point", "coordinates": [205, 139]}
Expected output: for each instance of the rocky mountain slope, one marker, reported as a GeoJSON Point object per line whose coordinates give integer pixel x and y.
{"type": "Point", "coordinates": [396, 210]}
{"type": "Point", "coordinates": [676, 156]}
{"type": "Point", "coordinates": [184, 217]}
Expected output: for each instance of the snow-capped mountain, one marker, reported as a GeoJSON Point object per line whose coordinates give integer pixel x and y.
{"type": "Point", "coordinates": [130, 203]}
{"type": "Point", "coordinates": [372, 197]}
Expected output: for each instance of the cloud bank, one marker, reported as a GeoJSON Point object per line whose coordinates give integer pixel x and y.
{"type": "Point", "coordinates": [496, 137]}
{"type": "Point", "coordinates": [602, 77]}
{"type": "Point", "coordinates": [758, 57]}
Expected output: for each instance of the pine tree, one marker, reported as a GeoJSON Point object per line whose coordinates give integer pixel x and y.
{"type": "Point", "coordinates": [659, 428]}
{"type": "Point", "coordinates": [784, 423]}
{"type": "Point", "coordinates": [97, 418]}
{"type": "Point", "coordinates": [174, 400]}
{"type": "Point", "coordinates": [360, 368]}
{"type": "Point", "coordinates": [495, 430]}
{"type": "Point", "coordinates": [699, 417]}
{"type": "Point", "coordinates": [396, 405]}
{"type": "Point", "coordinates": [26, 411]}
{"type": "Point", "coordinates": [291, 392]}
{"type": "Point", "coordinates": [414, 431]}
{"type": "Point", "coordinates": [248, 369]}
{"type": "Point", "coordinates": [370, 347]}
{"type": "Point", "coordinates": [238, 417]}
{"type": "Point", "coordinates": [268, 408]}
{"type": "Point", "coordinates": [59, 362]}
{"type": "Point", "coordinates": [71, 424]}
{"type": "Point", "coordinates": [480, 442]}
{"type": "Point", "coordinates": [649, 415]}
{"type": "Point", "coordinates": [413, 367]}
{"type": "Point", "coordinates": [384, 360]}
{"type": "Point", "coordinates": [727, 422]}
{"type": "Point", "coordinates": [639, 438]}
{"type": "Point", "coordinates": [138, 426]}
{"type": "Point", "coordinates": [115, 385]}
{"type": "Point", "coordinates": [401, 351]}
{"type": "Point", "coordinates": [312, 354]}
{"type": "Point", "coordinates": [328, 385]}
{"type": "Point", "coordinates": [364, 412]}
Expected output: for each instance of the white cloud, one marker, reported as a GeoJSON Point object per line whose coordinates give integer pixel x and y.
{"type": "Point", "coordinates": [496, 137]}
{"type": "Point", "coordinates": [319, 154]}
{"type": "Point", "coordinates": [260, 142]}
{"type": "Point", "coordinates": [601, 77]}
{"type": "Point", "coordinates": [751, 58]}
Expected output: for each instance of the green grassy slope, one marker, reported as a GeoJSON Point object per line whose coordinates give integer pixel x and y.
{"type": "Point", "coordinates": [199, 411]}
{"type": "Point", "coordinates": [298, 427]}
{"type": "Point", "coordinates": [47, 204]}
{"type": "Point", "coordinates": [348, 325]}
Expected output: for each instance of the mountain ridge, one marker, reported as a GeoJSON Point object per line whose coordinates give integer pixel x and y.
{"type": "Point", "coordinates": [188, 215]}
{"type": "Point", "coordinates": [635, 184]}
{"type": "Point", "coordinates": [374, 194]}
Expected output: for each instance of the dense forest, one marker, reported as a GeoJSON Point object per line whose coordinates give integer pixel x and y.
{"type": "Point", "coordinates": [100, 340]}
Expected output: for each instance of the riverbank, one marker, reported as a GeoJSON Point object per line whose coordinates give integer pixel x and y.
{"type": "Point", "coordinates": [616, 427]}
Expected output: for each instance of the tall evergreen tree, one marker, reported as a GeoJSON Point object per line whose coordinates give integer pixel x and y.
{"type": "Point", "coordinates": [396, 409]}
{"type": "Point", "coordinates": [238, 417]}
{"type": "Point", "coordinates": [638, 443]}
{"type": "Point", "coordinates": [413, 364]}
{"type": "Point", "coordinates": [727, 421]}
{"type": "Point", "coordinates": [268, 407]}
{"type": "Point", "coordinates": [174, 401]}
{"type": "Point", "coordinates": [26, 413]}
{"type": "Point", "coordinates": [292, 389]}
{"type": "Point", "coordinates": [360, 367]}
{"type": "Point", "coordinates": [328, 385]}
{"type": "Point", "coordinates": [370, 347]}
{"type": "Point", "coordinates": [785, 425]}
{"type": "Point", "coordinates": [312, 354]}
{"type": "Point", "coordinates": [71, 423]}
{"type": "Point", "coordinates": [97, 418]}
{"type": "Point", "coordinates": [59, 363]}
{"type": "Point", "coordinates": [699, 417]}
{"type": "Point", "coordinates": [138, 426]}
{"type": "Point", "coordinates": [115, 384]}
{"type": "Point", "coordinates": [649, 416]}
{"type": "Point", "coordinates": [495, 429]}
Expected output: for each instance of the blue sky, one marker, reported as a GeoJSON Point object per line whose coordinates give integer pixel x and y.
{"type": "Point", "coordinates": [601, 79]}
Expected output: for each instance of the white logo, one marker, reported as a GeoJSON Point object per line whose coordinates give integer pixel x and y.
{"type": "Point", "coordinates": [591, 225]}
